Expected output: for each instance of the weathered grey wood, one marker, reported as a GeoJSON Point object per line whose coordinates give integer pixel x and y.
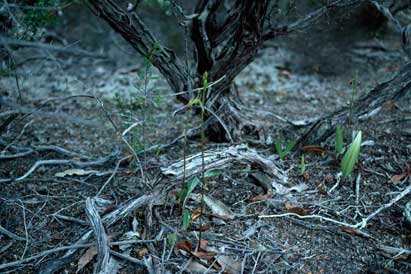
{"type": "Point", "coordinates": [103, 249]}
{"type": "Point", "coordinates": [224, 159]}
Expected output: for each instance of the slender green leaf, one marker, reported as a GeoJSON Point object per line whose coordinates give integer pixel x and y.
{"type": "Point", "coordinates": [191, 184]}
{"type": "Point", "coordinates": [182, 195]}
{"type": "Point", "coordinates": [279, 148]}
{"type": "Point", "coordinates": [290, 146]}
{"type": "Point", "coordinates": [338, 140]}
{"type": "Point", "coordinates": [213, 173]}
{"type": "Point", "coordinates": [351, 156]}
{"type": "Point", "coordinates": [186, 219]}
{"type": "Point", "coordinates": [171, 239]}
{"type": "Point", "coordinates": [302, 164]}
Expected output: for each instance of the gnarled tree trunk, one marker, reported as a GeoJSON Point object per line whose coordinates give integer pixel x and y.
{"type": "Point", "coordinates": [226, 36]}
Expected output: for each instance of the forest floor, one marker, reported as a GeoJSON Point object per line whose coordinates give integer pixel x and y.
{"type": "Point", "coordinates": [46, 209]}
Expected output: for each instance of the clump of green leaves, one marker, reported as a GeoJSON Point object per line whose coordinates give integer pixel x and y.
{"type": "Point", "coordinates": [284, 151]}
{"type": "Point", "coordinates": [351, 156]}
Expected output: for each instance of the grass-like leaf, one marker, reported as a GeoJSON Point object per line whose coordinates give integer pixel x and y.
{"type": "Point", "coordinates": [186, 219]}
{"type": "Point", "coordinates": [279, 148]}
{"type": "Point", "coordinates": [171, 239]}
{"type": "Point", "coordinates": [351, 156]}
{"type": "Point", "coordinates": [302, 165]}
{"type": "Point", "coordinates": [213, 173]}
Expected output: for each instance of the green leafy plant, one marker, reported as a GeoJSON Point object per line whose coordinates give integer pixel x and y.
{"type": "Point", "coordinates": [284, 151]}
{"type": "Point", "coordinates": [339, 142]}
{"type": "Point", "coordinates": [351, 156]}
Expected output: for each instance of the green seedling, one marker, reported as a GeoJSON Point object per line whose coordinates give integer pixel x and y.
{"type": "Point", "coordinates": [185, 192]}
{"type": "Point", "coordinates": [302, 164]}
{"type": "Point", "coordinates": [351, 156]}
{"type": "Point", "coordinates": [339, 142]}
{"type": "Point", "coordinates": [186, 219]}
{"type": "Point", "coordinates": [171, 239]}
{"type": "Point", "coordinates": [283, 152]}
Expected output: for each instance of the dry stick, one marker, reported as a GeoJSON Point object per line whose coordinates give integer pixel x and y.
{"type": "Point", "coordinates": [63, 248]}
{"type": "Point", "coordinates": [103, 255]}
{"type": "Point", "coordinates": [21, 43]}
{"type": "Point", "coordinates": [36, 165]}
{"type": "Point", "coordinates": [111, 219]}
{"type": "Point", "coordinates": [112, 175]}
{"type": "Point", "coordinates": [10, 234]}
{"type": "Point", "coordinates": [123, 137]}
{"type": "Point", "coordinates": [359, 225]}
{"type": "Point", "coordinates": [357, 194]}
{"type": "Point", "coordinates": [128, 258]}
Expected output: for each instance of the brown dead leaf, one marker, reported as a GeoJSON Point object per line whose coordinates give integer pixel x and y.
{"type": "Point", "coordinates": [263, 197]}
{"type": "Point", "coordinates": [87, 257]}
{"type": "Point", "coordinates": [203, 244]}
{"type": "Point", "coordinates": [142, 252]}
{"type": "Point", "coordinates": [391, 106]}
{"type": "Point", "coordinates": [203, 255]}
{"type": "Point", "coordinates": [229, 264]}
{"type": "Point", "coordinates": [328, 179]}
{"type": "Point", "coordinates": [398, 177]}
{"type": "Point", "coordinates": [297, 210]}
{"type": "Point", "coordinates": [224, 218]}
{"type": "Point", "coordinates": [128, 159]}
{"type": "Point", "coordinates": [315, 149]}
{"type": "Point", "coordinates": [185, 245]}
{"type": "Point", "coordinates": [128, 171]}
{"type": "Point", "coordinates": [195, 267]}
{"type": "Point", "coordinates": [196, 213]}
{"type": "Point", "coordinates": [306, 176]}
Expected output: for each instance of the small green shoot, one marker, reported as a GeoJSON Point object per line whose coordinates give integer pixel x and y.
{"type": "Point", "coordinates": [213, 173]}
{"type": "Point", "coordinates": [171, 239]}
{"type": "Point", "coordinates": [351, 156]}
{"type": "Point", "coordinates": [186, 219]}
{"type": "Point", "coordinates": [283, 152]}
{"type": "Point", "coordinates": [185, 192]}
{"type": "Point", "coordinates": [339, 142]}
{"type": "Point", "coordinates": [302, 165]}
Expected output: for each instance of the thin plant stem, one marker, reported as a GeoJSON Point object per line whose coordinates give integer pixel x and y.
{"type": "Point", "coordinates": [203, 178]}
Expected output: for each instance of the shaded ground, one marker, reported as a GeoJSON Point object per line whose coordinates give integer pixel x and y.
{"type": "Point", "coordinates": [35, 208]}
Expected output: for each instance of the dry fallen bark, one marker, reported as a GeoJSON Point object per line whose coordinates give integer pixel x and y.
{"type": "Point", "coordinates": [103, 255]}
{"type": "Point", "coordinates": [108, 220]}
{"type": "Point", "coordinates": [224, 159]}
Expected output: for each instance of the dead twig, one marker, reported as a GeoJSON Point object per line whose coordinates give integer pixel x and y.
{"type": "Point", "coordinates": [22, 43]}
{"type": "Point", "coordinates": [40, 163]}
{"type": "Point", "coordinates": [103, 255]}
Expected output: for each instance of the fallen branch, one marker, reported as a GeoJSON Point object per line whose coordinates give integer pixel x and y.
{"type": "Point", "coordinates": [359, 225]}
{"type": "Point", "coordinates": [22, 43]}
{"type": "Point", "coordinates": [40, 163]}
{"type": "Point", "coordinates": [222, 159]}
{"type": "Point", "coordinates": [103, 255]}
{"type": "Point", "coordinates": [108, 220]}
